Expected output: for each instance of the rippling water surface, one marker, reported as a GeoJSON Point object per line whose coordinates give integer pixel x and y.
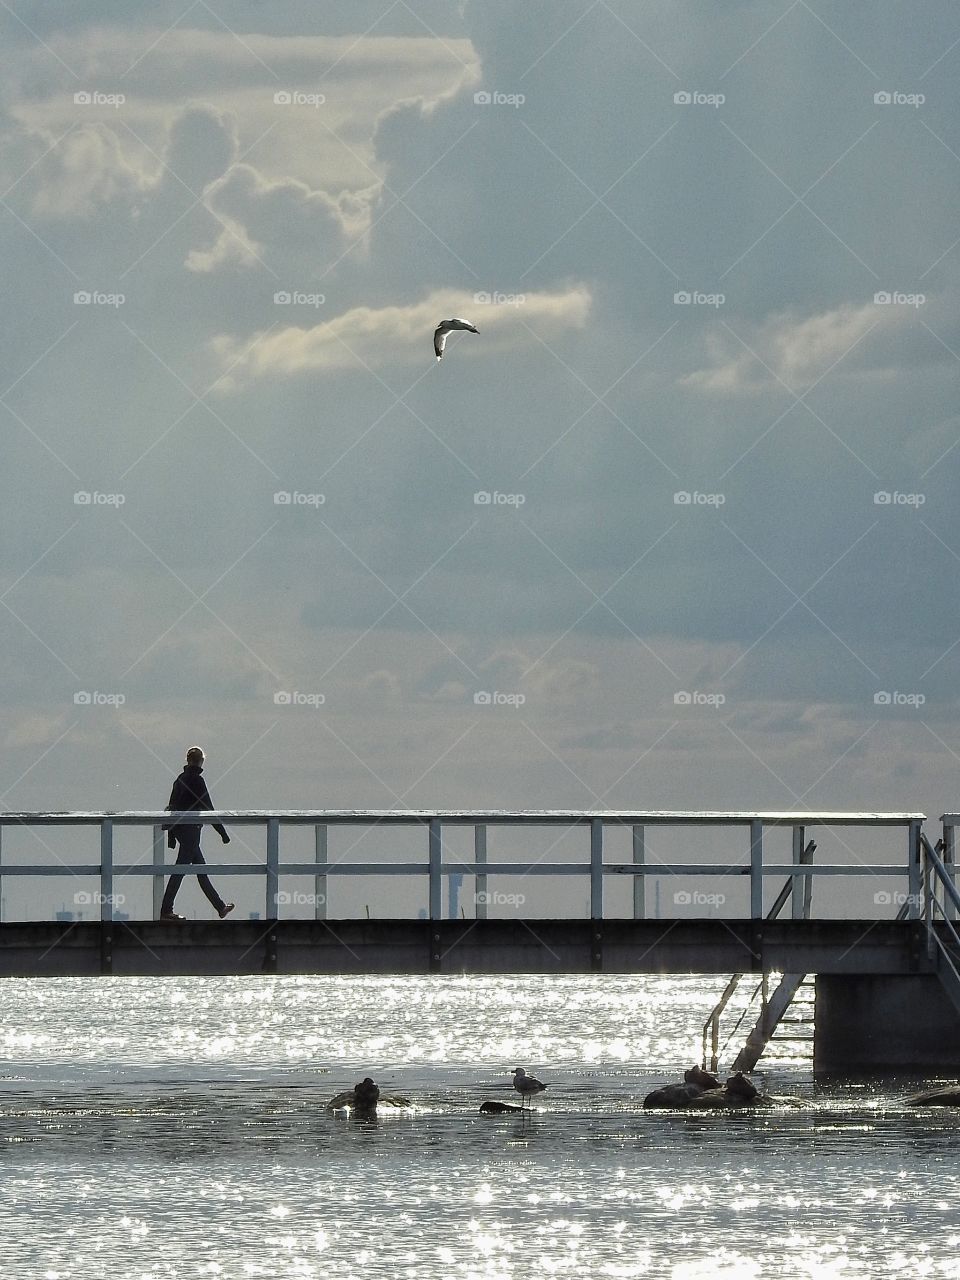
{"type": "Point", "coordinates": [176, 1128]}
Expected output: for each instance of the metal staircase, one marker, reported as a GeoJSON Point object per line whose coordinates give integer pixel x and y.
{"type": "Point", "coordinates": [773, 1006]}
{"type": "Point", "coordinates": [938, 883]}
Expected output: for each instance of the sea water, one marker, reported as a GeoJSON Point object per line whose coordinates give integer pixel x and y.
{"type": "Point", "coordinates": [176, 1128]}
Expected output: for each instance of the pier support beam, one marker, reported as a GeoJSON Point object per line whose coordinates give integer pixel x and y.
{"type": "Point", "coordinates": [882, 1023]}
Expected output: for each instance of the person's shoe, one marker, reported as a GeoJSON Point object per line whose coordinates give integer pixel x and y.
{"type": "Point", "coordinates": [226, 909]}
{"type": "Point", "coordinates": [171, 916]}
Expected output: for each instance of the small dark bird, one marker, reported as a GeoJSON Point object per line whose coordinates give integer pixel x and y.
{"type": "Point", "coordinates": [366, 1095]}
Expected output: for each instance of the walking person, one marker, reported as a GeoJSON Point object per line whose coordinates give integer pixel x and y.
{"type": "Point", "coordinates": [190, 792]}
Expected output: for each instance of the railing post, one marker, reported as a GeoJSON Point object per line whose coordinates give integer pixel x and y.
{"type": "Point", "coordinates": [106, 869]}
{"type": "Point", "coordinates": [756, 869]}
{"type": "Point", "coordinates": [914, 873]}
{"type": "Point", "coordinates": [596, 868]}
{"type": "Point", "coordinates": [273, 876]}
{"type": "Point", "coordinates": [798, 890]}
{"type": "Point", "coordinates": [639, 882]}
{"type": "Point", "coordinates": [480, 881]}
{"type": "Point", "coordinates": [949, 862]}
{"type": "Point", "coordinates": [320, 881]}
{"type": "Point", "coordinates": [156, 879]}
{"type": "Point", "coordinates": [436, 885]}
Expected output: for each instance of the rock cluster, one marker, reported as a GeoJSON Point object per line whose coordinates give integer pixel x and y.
{"type": "Point", "coordinates": [702, 1091]}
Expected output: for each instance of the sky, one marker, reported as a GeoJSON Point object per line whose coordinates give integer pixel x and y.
{"type": "Point", "coordinates": [676, 529]}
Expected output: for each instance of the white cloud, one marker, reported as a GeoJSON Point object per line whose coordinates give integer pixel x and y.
{"type": "Point", "coordinates": [396, 334]}
{"type": "Point", "coordinates": [798, 351]}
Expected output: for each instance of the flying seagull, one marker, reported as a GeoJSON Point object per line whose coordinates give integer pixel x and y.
{"type": "Point", "coordinates": [526, 1085]}
{"type": "Point", "coordinates": [441, 331]}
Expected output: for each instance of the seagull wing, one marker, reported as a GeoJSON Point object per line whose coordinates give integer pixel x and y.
{"type": "Point", "coordinates": [439, 341]}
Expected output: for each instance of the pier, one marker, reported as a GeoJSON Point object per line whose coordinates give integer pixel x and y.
{"type": "Point", "coordinates": [888, 984]}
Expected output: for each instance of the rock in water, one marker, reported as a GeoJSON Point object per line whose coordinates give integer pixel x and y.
{"type": "Point", "coordinates": [948, 1096]}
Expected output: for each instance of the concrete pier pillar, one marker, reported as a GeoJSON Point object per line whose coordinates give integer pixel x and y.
{"type": "Point", "coordinates": [884, 1023]}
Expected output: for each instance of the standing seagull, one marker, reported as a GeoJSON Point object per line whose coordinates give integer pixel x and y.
{"type": "Point", "coordinates": [526, 1085]}
{"type": "Point", "coordinates": [441, 331]}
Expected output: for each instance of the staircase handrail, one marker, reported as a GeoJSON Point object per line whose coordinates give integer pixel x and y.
{"type": "Point", "coordinates": [711, 1027]}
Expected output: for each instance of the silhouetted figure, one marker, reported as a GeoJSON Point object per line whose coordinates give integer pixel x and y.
{"type": "Point", "coordinates": [366, 1095]}
{"type": "Point", "coordinates": [190, 792]}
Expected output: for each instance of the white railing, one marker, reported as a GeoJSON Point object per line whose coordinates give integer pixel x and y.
{"type": "Point", "coordinates": [437, 865]}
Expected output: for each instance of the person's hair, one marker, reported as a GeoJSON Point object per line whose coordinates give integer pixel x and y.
{"type": "Point", "coordinates": [195, 755]}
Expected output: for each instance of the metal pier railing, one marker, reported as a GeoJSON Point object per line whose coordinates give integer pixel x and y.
{"type": "Point", "coordinates": [437, 864]}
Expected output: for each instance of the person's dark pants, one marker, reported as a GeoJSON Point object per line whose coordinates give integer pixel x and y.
{"type": "Point", "coordinates": [188, 839]}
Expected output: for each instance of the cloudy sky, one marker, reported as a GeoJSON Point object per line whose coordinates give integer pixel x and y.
{"type": "Point", "coordinates": [712, 252]}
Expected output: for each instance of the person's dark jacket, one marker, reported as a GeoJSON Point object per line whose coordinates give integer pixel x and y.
{"type": "Point", "coordinates": [190, 792]}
